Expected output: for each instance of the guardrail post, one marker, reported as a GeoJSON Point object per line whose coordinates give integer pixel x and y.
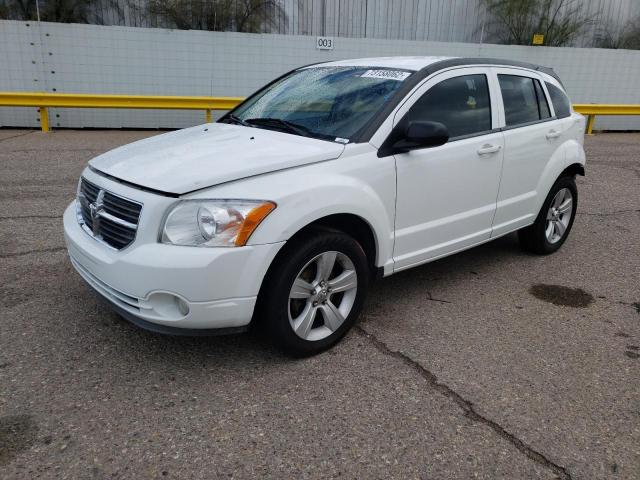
{"type": "Point", "coordinates": [207, 116]}
{"type": "Point", "coordinates": [44, 119]}
{"type": "Point", "coordinates": [591, 119]}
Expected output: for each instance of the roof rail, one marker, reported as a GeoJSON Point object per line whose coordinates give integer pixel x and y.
{"type": "Point", "coordinates": [456, 62]}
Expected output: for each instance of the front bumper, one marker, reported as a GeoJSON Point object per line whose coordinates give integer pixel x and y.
{"type": "Point", "coordinates": [166, 287]}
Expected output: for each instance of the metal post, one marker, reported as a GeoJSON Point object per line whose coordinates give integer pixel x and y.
{"type": "Point", "coordinates": [484, 17]}
{"type": "Point", "coordinates": [207, 116]}
{"type": "Point", "coordinates": [591, 119]}
{"type": "Point", "coordinates": [44, 119]}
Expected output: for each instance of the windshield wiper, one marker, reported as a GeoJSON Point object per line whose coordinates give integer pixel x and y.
{"type": "Point", "coordinates": [233, 119]}
{"type": "Point", "coordinates": [289, 127]}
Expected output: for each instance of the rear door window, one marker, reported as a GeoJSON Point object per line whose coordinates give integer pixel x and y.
{"type": "Point", "coordinates": [462, 104]}
{"type": "Point", "coordinates": [561, 103]}
{"type": "Point", "coordinates": [521, 100]}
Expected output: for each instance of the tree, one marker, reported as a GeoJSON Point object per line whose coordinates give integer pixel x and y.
{"type": "Point", "coordinates": [19, 10]}
{"type": "Point", "coordinates": [64, 11]}
{"type": "Point", "coordinates": [615, 36]}
{"type": "Point", "coordinates": [514, 22]}
{"type": "Point", "coordinates": [251, 16]}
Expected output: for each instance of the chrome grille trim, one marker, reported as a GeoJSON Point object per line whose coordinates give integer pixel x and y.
{"type": "Point", "coordinates": [119, 221]}
{"type": "Point", "coordinates": [108, 217]}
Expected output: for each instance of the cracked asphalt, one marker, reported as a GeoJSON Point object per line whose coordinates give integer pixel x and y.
{"type": "Point", "coordinates": [489, 364]}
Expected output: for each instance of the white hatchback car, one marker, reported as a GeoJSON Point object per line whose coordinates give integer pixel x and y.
{"type": "Point", "coordinates": [281, 213]}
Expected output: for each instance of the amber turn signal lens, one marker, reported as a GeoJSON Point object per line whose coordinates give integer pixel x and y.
{"type": "Point", "coordinates": [252, 220]}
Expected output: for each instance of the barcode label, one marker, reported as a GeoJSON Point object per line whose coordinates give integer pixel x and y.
{"type": "Point", "coordinates": [398, 75]}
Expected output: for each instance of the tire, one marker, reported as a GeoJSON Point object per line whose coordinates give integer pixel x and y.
{"type": "Point", "coordinates": [552, 225]}
{"type": "Point", "coordinates": [305, 260]}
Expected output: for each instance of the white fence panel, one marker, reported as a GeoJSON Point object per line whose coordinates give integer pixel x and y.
{"type": "Point", "coordinates": [109, 59]}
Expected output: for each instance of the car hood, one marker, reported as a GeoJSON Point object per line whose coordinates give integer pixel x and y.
{"type": "Point", "coordinates": [198, 157]}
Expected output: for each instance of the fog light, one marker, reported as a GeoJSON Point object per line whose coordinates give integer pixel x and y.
{"type": "Point", "coordinates": [182, 306]}
{"type": "Point", "coordinates": [168, 305]}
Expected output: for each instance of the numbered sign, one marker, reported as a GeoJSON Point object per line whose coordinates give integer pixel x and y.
{"type": "Point", "coordinates": [324, 43]}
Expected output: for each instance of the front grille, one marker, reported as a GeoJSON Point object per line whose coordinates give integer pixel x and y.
{"type": "Point", "coordinates": [106, 216]}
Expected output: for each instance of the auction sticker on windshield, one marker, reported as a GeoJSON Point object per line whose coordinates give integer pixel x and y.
{"type": "Point", "coordinates": [386, 74]}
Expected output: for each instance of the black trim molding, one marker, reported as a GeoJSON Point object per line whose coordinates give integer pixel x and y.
{"type": "Point", "coordinates": [526, 124]}
{"type": "Point", "coordinates": [133, 185]}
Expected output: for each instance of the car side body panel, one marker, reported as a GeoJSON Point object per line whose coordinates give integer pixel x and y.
{"type": "Point", "coordinates": [572, 153]}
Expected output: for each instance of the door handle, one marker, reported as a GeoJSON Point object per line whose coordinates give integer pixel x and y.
{"type": "Point", "coordinates": [488, 148]}
{"type": "Point", "coordinates": [552, 134]}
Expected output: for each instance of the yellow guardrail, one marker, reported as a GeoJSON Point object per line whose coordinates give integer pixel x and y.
{"type": "Point", "coordinates": [593, 109]}
{"type": "Point", "coordinates": [43, 101]}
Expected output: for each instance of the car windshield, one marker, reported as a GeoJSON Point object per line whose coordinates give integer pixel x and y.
{"type": "Point", "coordinates": [331, 103]}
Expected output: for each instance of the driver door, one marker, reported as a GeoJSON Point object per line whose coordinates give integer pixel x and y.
{"type": "Point", "coordinates": [446, 195]}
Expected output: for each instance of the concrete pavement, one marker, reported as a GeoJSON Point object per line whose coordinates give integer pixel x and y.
{"type": "Point", "coordinates": [489, 364]}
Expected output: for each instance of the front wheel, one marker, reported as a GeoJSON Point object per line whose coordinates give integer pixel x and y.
{"type": "Point", "coordinates": [314, 292]}
{"type": "Point", "coordinates": [555, 219]}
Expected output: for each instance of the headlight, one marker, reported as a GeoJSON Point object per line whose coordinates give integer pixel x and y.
{"type": "Point", "coordinates": [214, 223]}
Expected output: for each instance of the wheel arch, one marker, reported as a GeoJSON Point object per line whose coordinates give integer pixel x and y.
{"type": "Point", "coordinates": [354, 226]}
{"type": "Point", "coordinates": [573, 170]}
{"type": "Point", "coordinates": [351, 224]}
{"type": "Point", "coordinates": [569, 159]}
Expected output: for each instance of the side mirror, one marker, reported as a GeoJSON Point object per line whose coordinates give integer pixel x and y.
{"type": "Point", "coordinates": [415, 135]}
{"type": "Point", "coordinates": [427, 134]}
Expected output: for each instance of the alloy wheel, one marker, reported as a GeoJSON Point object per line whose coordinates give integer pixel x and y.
{"type": "Point", "coordinates": [559, 215]}
{"type": "Point", "coordinates": [322, 295]}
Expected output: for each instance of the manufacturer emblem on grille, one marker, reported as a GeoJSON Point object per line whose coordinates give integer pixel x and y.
{"type": "Point", "coordinates": [106, 216]}
{"type": "Point", "coordinates": [95, 208]}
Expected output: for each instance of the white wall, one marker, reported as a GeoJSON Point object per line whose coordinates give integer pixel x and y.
{"type": "Point", "coordinates": [98, 59]}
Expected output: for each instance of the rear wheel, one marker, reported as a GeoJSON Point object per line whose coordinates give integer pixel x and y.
{"type": "Point", "coordinates": [314, 293]}
{"type": "Point", "coordinates": [555, 219]}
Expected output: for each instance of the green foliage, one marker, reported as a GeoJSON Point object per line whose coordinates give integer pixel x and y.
{"type": "Point", "coordinates": [251, 16]}
{"type": "Point", "coordinates": [514, 22]}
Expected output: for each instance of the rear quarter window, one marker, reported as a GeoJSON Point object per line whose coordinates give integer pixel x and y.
{"type": "Point", "coordinates": [560, 101]}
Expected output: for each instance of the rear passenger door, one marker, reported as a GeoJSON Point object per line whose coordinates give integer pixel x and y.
{"type": "Point", "coordinates": [531, 137]}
